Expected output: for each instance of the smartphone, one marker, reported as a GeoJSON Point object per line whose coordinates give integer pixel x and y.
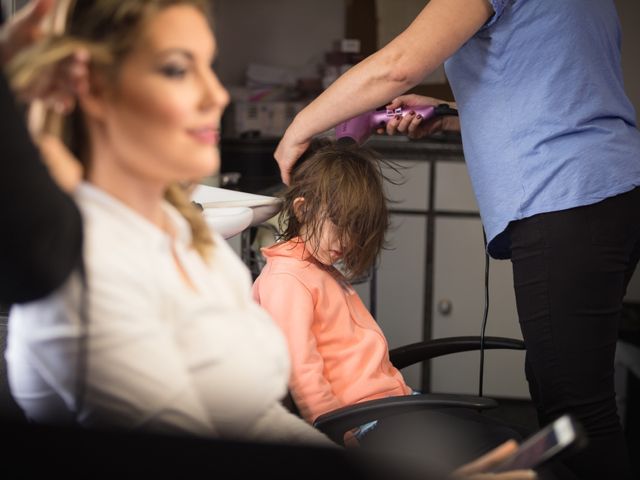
{"type": "Point", "coordinates": [556, 437]}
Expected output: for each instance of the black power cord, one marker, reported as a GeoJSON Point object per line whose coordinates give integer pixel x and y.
{"type": "Point", "coordinates": [486, 312]}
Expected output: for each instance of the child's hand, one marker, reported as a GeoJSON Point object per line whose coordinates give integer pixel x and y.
{"type": "Point", "coordinates": [350, 440]}
{"type": "Point", "coordinates": [477, 469]}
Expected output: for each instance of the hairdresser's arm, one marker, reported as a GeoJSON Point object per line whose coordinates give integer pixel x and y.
{"type": "Point", "coordinates": [291, 306]}
{"type": "Point", "coordinates": [42, 231]}
{"type": "Point", "coordinates": [440, 29]}
{"type": "Point", "coordinates": [42, 228]}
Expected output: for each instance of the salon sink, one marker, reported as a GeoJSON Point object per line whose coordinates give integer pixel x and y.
{"type": "Point", "coordinates": [229, 212]}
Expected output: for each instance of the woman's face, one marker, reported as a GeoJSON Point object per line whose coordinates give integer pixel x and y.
{"type": "Point", "coordinates": [162, 118]}
{"type": "Point", "coordinates": [327, 248]}
{"type": "Point", "coordinates": [325, 245]}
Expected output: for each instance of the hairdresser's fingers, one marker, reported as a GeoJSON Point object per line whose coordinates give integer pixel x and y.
{"type": "Point", "coordinates": [425, 128]}
{"type": "Point", "coordinates": [75, 71]}
{"type": "Point", "coordinates": [72, 76]}
{"type": "Point", "coordinates": [413, 100]}
{"type": "Point", "coordinates": [451, 123]}
{"type": "Point", "coordinates": [489, 460]}
{"type": "Point", "coordinates": [62, 104]}
{"type": "Point", "coordinates": [23, 28]}
{"type": "Point", "coordinates": [392, 125]}
{"type": "Point", "coordinates": [35, 11]}
{"type": "Point", "coordinates": [418, 128]}
{"type": "Point", "coordinates": [67, 78]}
{"type": "Point", "coordinates": [405, 121]}
{"type": "Point", "coordinates": [287, 154]}
{"type": "Point", "coordinates": [407, 100]}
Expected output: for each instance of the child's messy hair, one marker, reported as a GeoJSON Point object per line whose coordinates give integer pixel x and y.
{"type": "Point", "coordinates": [343, 184]}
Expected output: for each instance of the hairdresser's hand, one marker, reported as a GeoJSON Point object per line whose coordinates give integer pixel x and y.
{"type": "Point", "coordinates": [414, 126]}
{"type": "Point", "coordinates": [288, 152]}
{"type": "Point", "coordinates": [477, 469]}
{"type": "Point", "coordinates": [59, 86]}
{"type": "Point", "coordinates": [23, 29]}
{"type": "Point", "coordinates": [63, 166]}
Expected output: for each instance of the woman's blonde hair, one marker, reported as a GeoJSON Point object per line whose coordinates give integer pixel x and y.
{"type": "Point", "coordinates": [343, 184]}
{"type": "Point", "coordinates": [108, 29]}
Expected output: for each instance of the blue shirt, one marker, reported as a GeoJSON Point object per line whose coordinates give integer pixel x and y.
{"type": "Point", "coordinates": [546, 124]}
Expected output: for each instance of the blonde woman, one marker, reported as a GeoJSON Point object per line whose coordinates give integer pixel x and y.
{"type": "Point", "coordinates": [173, 340]}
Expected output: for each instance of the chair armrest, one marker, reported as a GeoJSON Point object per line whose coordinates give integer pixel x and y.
{"type": "Point", "coordinates": [402, 357]}
{"type": "Point", "coordinates": [337, 422]}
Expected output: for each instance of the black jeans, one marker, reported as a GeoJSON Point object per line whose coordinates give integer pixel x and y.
{"type": "Point", "coordinates": [571, 269]}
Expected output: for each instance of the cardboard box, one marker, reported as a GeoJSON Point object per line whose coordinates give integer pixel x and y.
{"type": "Point", "coordinates": [266, 119]}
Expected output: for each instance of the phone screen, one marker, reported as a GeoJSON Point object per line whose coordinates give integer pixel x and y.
{"type": "Point", "coordinates": [541, 446]}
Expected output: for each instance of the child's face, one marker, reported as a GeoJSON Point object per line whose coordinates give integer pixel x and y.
{"type": "Point", "coordinates": [325, 247]}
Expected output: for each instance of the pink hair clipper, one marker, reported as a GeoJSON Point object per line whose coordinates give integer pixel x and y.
{"type": "Point", "coordinates": [359, 128]}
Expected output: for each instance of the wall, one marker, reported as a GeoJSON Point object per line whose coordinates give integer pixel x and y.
{"type": "Point", "coordinates": [629, 12]}
{"type": "Point", "coordinates": [285, 33]}
{"type": "Point", "coordinates": [8, 6]}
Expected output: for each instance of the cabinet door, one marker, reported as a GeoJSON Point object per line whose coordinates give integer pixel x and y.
{"type": "Point", "coordinates": [453, 190]}
{"type": "Point", "coordinates": [401, 286]}
{"type": "Point", "coordinates": [458, 310]}
{"type": "Point", "coordinates": [409, 187]}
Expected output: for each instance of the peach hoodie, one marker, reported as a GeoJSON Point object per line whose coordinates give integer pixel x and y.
{"type": "Point", "coordinates": [339, 355]}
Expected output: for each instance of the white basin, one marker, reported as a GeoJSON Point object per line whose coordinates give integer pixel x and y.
{"type": "Point", "coordinates": [229, 212]}
{"type": "Point", "coordinates": [228, 221]}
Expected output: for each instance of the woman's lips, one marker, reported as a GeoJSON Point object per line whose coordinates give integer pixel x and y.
{"type": "Point", "coordinates": [206, 135]}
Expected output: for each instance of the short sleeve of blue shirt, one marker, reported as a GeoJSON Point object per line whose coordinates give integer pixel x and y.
{"type": "Point", "coordinates": [498, 8]}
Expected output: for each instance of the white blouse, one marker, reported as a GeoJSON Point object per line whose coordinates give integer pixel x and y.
{"type": "Point", "coordinates": [161, 357]}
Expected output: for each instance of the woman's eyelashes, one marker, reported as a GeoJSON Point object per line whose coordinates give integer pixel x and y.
{"type": "Point", "coordinates": [173, 70]}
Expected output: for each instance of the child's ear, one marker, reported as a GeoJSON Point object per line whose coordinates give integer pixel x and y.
{"type": "Point", "coordinates": [298, 205]}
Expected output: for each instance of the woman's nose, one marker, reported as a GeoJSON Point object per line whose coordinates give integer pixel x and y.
{"type": "Point", "coordinates": [214, 93]}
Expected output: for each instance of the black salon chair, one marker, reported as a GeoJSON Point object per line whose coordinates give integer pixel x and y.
{"type": "Point", "coordinates": [337, 422]}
